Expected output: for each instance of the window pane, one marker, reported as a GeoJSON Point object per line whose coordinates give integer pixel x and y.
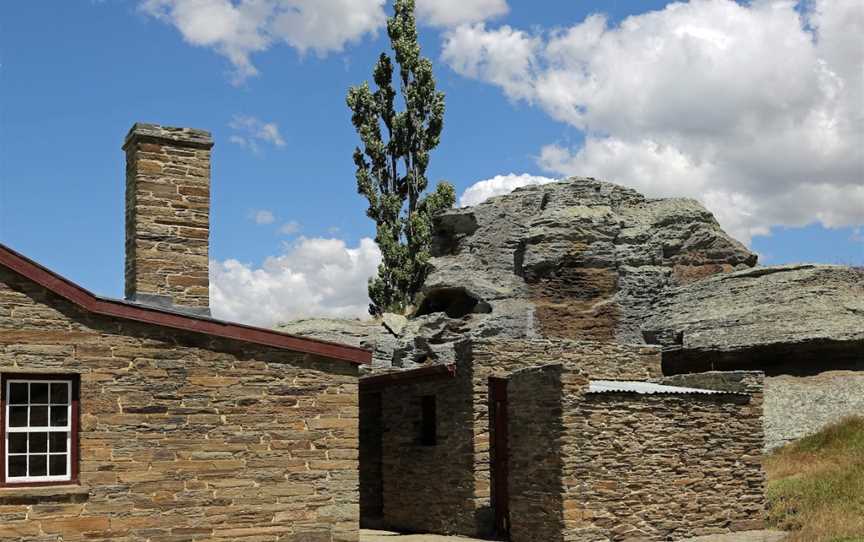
{"type": "Point", "coordinates": [17, 465]}
{"type": "Point", "coordinates": [38, 416]}
{"type": "Point", "coordinates": [59, 416]}
{"type": "Point", "coordinates": [59, 393]}
{"type": "Point", "coordinates": [18, 393]}
{"type": "Point", "coordinates": [18, 443]}
{"type": "Point", "coordinates": [38, 465]}
{"type": "Point", "coordinates": [57, 442]}
{"type": "Point", "coordinates": [57, 464]}
{"type": "Point", "coordinates": [18, 416]}
{"type": "Point", "coordinates": [38, 442]}
{"type": "Point", "coordinates": [38, 392]}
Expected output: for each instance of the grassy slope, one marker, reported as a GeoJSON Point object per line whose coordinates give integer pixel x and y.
{"type": "Point", "coordinates": [816, 485]}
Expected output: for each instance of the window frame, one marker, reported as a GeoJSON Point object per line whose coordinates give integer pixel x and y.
{"type": "Point", "coordinates": [74, 382]}
{"type": "Point", "coordinates": [428, 420]}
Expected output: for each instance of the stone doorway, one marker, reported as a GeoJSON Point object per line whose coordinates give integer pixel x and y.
{"type": "Point", "coordinates": [498, 456]}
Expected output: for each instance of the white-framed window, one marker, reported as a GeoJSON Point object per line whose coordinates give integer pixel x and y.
{"type": "Point", "coordinates": [38, 429]}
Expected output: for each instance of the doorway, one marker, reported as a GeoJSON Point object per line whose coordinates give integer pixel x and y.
{"type": "Point", "coordinates": [371, 455]}
{"type": "Point", "coordinates": [498, 456]}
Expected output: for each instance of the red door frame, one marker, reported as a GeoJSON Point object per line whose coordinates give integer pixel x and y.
{"type": "Point", "coordinates": [499, 467]}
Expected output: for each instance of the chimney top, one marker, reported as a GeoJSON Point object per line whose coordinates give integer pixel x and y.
{"type": "Point", "coordinates": [168, 217]}
{"type": "Point", "coordinates": [156, 133]}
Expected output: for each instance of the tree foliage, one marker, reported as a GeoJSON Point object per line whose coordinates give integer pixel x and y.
{"type": "Point", "coordinates": [391, 167]}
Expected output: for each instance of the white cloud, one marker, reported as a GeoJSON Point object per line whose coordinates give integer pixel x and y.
{"type": "Point", "coordinates": [263, 216]}
{"type": "Point", "coordinates": [250, 131]}
{"type": "Point", "coordinates": [237, 29]}
{"type": "Point", "coordinates": [454, 12]}
{"type": "Point", "coordinates": [498, 185]}
{"type": "Point", "coordinates": [755, 109]}
{"type": "Point", "coordinates": [504, 57]}
{"type": "Point", "coordinates": [290, 228]}
{"type": "Point", "coordinates": [315, 277]}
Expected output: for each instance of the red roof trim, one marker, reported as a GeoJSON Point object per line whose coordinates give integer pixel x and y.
{"type": "Point", "coordinates": [377, 382]}
{"type": "Point", "coordinates": [118, 309]}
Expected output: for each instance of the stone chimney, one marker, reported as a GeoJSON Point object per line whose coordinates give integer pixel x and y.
{"type": "Point", "coordinates": [168, 217]}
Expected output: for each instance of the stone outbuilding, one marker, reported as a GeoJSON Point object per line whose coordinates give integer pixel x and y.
{"type": "Point", "coordinates": [144, 418]}
{"type": "Point", "coordinates": [557, 440]}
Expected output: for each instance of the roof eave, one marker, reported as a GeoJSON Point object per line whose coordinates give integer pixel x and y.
{"type": "Point", "coordinates": [94, 304]}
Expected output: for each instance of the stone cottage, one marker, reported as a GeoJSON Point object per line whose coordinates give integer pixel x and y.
{"type": "Point", "coordinates": [145, 419]}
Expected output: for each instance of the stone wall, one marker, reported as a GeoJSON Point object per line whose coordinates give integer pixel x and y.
{"type": "Point", "coordinates": [656, 467]}
{"type": "Point", "coordinates": [168, 214]}
{"type": "Point", "coordinates": [535, 479]}
{"type": "Point", "coordinates": [794, 405]}
{"type": "Point", "coordinates": [447, 488]}
{"type": "Point", "coordinates": [184, 437]}
{"type": "Point", "coordinates": [598, 360]}
{"type": "Point", "coordinates": [429, 488]}
{"type": "Point", "coordinates": [632, 466]}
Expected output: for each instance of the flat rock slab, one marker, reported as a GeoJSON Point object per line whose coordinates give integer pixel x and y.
{"type": "Point", "coordinates": [772, 311]}
{"type": "Point", "coordinates": [369, 535]}
{"type": "Point", "coordinates": [743, 536]}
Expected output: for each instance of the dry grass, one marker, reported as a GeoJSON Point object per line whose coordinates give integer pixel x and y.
{"type": "Point", "coordinates": [816, 485]}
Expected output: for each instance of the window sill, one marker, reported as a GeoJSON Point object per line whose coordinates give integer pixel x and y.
{"type": "Point", "coordinates": [58, 493]}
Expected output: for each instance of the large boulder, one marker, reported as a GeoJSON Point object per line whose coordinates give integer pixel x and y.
{"type": "Point", "coordinates": [577, 259]}
{"type": "Point", "coordinates": [791, 318]}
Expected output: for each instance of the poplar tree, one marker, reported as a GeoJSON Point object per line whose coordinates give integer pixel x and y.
{"type": "Point", "coordinates": [391, 166]}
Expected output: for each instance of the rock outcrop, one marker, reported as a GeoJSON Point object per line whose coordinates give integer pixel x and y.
{"type": "Point", "coordinates": [578, 259]}
{"type": "Point", "coordinates": [803, 318]}
{"type": "Point", "coordinates": [585, 259]}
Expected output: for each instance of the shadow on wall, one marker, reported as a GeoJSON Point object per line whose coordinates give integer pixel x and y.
{"type": "Point", "coordinates": [427, 484]}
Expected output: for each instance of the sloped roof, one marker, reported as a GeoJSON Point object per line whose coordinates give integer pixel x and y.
{"type": "Point", "coordinates": [116, 308]}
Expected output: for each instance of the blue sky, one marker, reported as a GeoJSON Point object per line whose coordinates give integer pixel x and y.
{"type": "Point", "coordinates": [75, 75]}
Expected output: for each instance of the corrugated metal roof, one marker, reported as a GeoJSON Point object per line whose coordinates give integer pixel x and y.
{"type": "Point", "coordinates": [644, 388]}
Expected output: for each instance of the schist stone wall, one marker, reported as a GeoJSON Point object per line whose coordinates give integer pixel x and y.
{"type": "Point", "coordinates": [446, 488]}
{"type": "Point", "coordinates": [598, 360]}
{"type": "Point", "coordinates": [184, 437]}
{"type": "Point", "coordinates": [168, 216]}
{"type": "Point", "coordinates": [429, 488]}
{"type": "Point", "coordinates": [627, 466]}
{"type": "Point", "coordinates": [536, 480]}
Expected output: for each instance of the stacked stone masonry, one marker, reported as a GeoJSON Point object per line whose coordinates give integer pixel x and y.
{"type": "Point", "coordinates": [536, 474]}
{"type": "Point", "coordinates": [500, 358]}
{"type": "Point", "coordinates": [184, 437]}
{"type": "Point", "coordinates": [684, 465]}
{"type": "Point", "coordinates": [429, 488]}
{"type": "Point", "coordinates": [447, 488]}
{"type": "Point", "coordinates": [168, 214]}
{"type": "Point", "coordinates": [624, 466]}
{"type": "Point", "coordinates": [583, 466]}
